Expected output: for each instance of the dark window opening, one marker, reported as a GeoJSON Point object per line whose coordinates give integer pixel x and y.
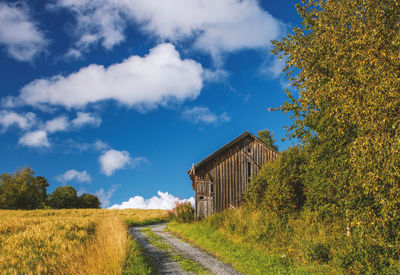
{"type": "Point", "coordinates": [249, 150]}
{"type": "Point", "coordinates": [211, 188]}
{"type": "Point", "coordinates": [201, 198]}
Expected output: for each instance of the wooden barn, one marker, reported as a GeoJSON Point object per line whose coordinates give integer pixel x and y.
{"type": "Point", "coordinates": [220, 180]}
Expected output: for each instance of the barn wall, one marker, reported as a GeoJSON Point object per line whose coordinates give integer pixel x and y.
{"type": "Point", "coordinates": [229, 172]}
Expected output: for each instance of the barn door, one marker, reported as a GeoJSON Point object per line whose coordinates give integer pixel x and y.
{"type": "Point", "coordinates": [204, 198]}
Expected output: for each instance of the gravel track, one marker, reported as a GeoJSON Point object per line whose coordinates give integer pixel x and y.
{"type": "Point", "coordinates": [166, 265]}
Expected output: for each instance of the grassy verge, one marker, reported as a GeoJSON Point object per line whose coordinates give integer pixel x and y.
{"type": "Point", "coordinates": [136, 262]}
{"type": "Point", "coordinates": [186, 264]}
{"type": "Point", "coordinates": [243, 257]}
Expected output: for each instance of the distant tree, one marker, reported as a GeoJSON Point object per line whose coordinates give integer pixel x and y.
{"type": "Point", "coordinates": [88, 201]}
{"type": "Point", "coordinates": [22, 190]}
{"type": "Point", "coordinates": [8, 192]}
{"type": "Point", "coordinates": [63, 197]}
{"type": "Point", "coordinates": [41, 187]}
{"type": "Point", "coordinates": [268, 138]}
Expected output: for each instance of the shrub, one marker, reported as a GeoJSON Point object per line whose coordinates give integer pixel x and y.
{"type": "Point", "coordinates": [182, 212]}
{"type": "Point", "coordinates": [278, 188]}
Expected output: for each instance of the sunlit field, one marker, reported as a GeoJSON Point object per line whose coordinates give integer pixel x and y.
{"type": "Point", "coordinates": [77, 241]}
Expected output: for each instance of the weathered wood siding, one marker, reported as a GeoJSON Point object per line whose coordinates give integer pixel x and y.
{"type": "Point", "coordinates": [229, 173]}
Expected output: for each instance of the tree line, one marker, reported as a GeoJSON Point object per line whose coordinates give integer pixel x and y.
{"type": "Point", "coordinates": [23, 190]}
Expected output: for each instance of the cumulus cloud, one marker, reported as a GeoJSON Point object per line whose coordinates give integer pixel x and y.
{"type": "Point", "coordinates": [23, 121]}
{"type": "Point", "coordinates": [99, 145]}
{"type": "Point", "coordinates": [141, 82]}
{"type": "Point", "coordinates": [86, 119]}
{"type": "Point", "coordinates": [35, 139]}
{"type": "Point", "coordinates": [204, 115]}
{"type": "Point", "coordinates": [97, 22]}
{"type": "Point", "coordinates": [105, 196]}
{"type": "Point", "coordinates": [62, 123]}
{"type": "Point", "coordinates": [19, 35]}
{"type": "Point", "coordinates": [163, 200]}
{"type": "Point", "coordinates": [215, 26]}
{"type": "Point", "coordinates": [73, 174]}
{"type": "Point", "coordinates": [112, 160]}
{"type": "Point", "coordinates": [57, 124]}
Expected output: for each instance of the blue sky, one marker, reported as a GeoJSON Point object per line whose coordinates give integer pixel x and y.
{"type": "Point", "coordinates": [119, 97]}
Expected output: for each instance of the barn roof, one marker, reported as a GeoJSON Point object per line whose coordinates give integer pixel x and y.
{"type": "Point", "coordinates": [228, 145]}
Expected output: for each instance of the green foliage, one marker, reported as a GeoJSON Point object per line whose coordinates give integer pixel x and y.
{"type": "Point", "coordinates": [278, 187]}
{"type": "Point", "coordinates": [268, 138]}
{"type": "Point", "coordinates": [22, 190]}
{"type": "Point", "coordinates": [63, 197]}
{"type": "Point", "coordinates": [88, 201]}
{"type": "Point", "coordinates": [343, 65]}
{"type": "Point", "coordinates": [182, 212]}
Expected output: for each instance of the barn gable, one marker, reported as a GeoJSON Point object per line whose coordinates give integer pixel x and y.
{"type": "Point", "coordinates": [221, 179]}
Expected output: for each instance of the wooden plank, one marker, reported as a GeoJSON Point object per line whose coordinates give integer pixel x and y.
{"type": "Point", "coordinates": [226, 173]}
{"type": "Point", "coordinates": [241, 169]}
{"type": "Point", "coordinates": [237, 176]}
{"type": "Point", "coordinates": [225, 185]}
{"type": "Point", "coordinates": [220, 184]}
{"type": "Point", "coordinates": [217, 186]}
{"type": "Point", "coordinates": [229, 178]}
{"type": "Point", "coordinates": [234, 177]}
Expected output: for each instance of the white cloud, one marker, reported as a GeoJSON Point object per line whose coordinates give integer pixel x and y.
{"type": "Point", "coordinates": [162, 201]}
{"type": "Point", "coordinates": [141, 82]}
{"type": "Point", "coordinates": [35, 139]}
{"type": "Point", "coordinates": [216, 26]}
{"type": "Point", "coordinates": [71, 145]}
{"type": "Point", "coordinates": [19, 34]}
{"type": "Point", "coordinates": [62, 123]}
{"type": "Point", "coordinates": [204, 115]}
{"type": "Point", "coordinates": [86, 119]}
{"type": "Point", "coordinates": [23, 121]}
{"type": "Point", "coordinates": [105, 196]}
{"type": "Point", "coordinates": [73, 174]}
{"type": "Point", "coordinates": [57, 124]}
{"type": "Point", "coordinates": [272, 67]}
{"type": "Point", "coordinates": [97, 21]}
{"type": "Point", "coordinates": [112, 160]}
{"type": "Point", "coordinates": [99, 145]}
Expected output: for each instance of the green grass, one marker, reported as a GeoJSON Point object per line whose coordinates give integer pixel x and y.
{"type": "Point", "coordinates": [136, 261]}
{"type": "Point", "coordinates": [243, 257]}
{"type": "Point", "coordinates": [133, 222]}
{"type": "Point", "coordinates": [186, 264]}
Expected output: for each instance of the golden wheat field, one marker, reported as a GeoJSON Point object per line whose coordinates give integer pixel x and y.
{"type": "Point", "coordinates": [76, 241]}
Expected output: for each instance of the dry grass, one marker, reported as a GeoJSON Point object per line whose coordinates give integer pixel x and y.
{"type": "Point", "coordinates": [67, 241]}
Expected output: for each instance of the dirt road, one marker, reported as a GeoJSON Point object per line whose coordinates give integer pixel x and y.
{"type": "Point", "coordinates": [164, 249]}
